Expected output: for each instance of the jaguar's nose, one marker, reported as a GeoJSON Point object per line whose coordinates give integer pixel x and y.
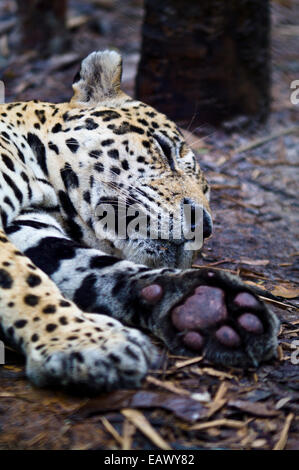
{"type": "Point", "coordinates": [195, 217]}
{"type": "Point", "coordinates": [207, 228]}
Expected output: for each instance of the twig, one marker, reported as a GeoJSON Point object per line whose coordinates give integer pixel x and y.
{"type": "Point", "coordinates": [221, 391]}
{"type": "Point", "coordinates": [230, 423]}
{"type": "Point", "coordinates": [215, 263]}
{"type": "Point", "coordinates": [219, 400]}
{"type": "Point", "coordinates": [140, 421]}
{"type": "Point", "coordinates": [225, 186]}
{"type": "Point", "coordinates": [108, 426]}
{"type": "Point", "coordinates": [258, 142]}
{"type": "Point", "coordinates": [187, 362]}
{"type": "Point", "coordinates": [274, 163]}
{"type": "Point", "coordinates": [199, 266]}
{"type": "Point", "coordinates": [128, 433]}
{"type": "Point", "coordinates": [167, 386]}
{"type": "Point", "coordinates": [280, 304]}
{"type": "Point", "coordinates": [281, 443]}
{"type": "Point", "coordinates": [213, 373]}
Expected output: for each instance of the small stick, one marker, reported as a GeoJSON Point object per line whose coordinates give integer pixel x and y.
{"type": "Point", "coordinates": [128, 433]}
{"type": "Point", "coordinates": [230, 423]}
{"type": "Point", "coordinates": [283, 305]}
{"type": "Point", "coordinates": [281, 443]}
{"type": "Point", "coordinates": [264, 140]}
{"type": "Point", "coordinates": [219, 400]}
{"type": "Point", "coordinates": [187, 362]}
{"type": "Point", "coordinates": [108, 426]}
{"type": "Point", "coordinates": [141, 423]}
{"type": "Point", "coordinates": [213, 373]}
{"type": "Point", "coordinates": [167, 386]}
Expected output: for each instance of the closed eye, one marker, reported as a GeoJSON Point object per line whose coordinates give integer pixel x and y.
{"type": "Point", "coordinates": [183, 150]}
{"type": "Point", "coordinates": [166, 149]}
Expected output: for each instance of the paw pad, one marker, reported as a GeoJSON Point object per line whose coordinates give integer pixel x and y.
{"type": "Point", "coordinates": [152, 293]}
{"type": "Point", "coordinates": [228, 337]}
{"type": "Point", "coordinates": [202, 310]}
{"type": "Point", "coordinates": [194, 340]}
{"type": "Point", "coordinates": [251, 323]}
{"type": "Point", "coordinates": [204, 314]}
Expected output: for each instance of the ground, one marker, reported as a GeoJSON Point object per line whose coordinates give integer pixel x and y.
{"type": "Point", "coordinates": [185, 404]}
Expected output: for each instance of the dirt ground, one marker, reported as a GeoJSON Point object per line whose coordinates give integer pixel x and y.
{"type": "Point", "coordinates": [254, 177]}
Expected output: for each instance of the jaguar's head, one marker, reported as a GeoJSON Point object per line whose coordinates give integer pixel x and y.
{"type": "Point", "coordinates": [148, 198]}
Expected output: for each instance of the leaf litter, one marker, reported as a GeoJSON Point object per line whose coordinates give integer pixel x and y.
{"type": "Point", "coordinates": [189, 403]}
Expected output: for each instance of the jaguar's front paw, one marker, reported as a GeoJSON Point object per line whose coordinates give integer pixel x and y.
{"type": "Point", "coordinates": [105, 355]}
{"type": "Point", "coordinates": [218, 317]}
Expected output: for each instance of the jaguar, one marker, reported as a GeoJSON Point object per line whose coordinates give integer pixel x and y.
{"type": "Point", "coordinates": [78, 300]}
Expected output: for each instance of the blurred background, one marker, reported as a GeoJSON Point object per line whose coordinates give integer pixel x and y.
{"type": "Point", "coordinates": [224, 71]}
{"type": "Point", "coordinates": [45, 63]}
{"type": "Point", "coordinates": [208, 61]}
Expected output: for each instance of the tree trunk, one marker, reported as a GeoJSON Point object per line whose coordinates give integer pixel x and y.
{"type": "Point", "coordinates": [42, 26]}
{"type": "Point", "coordinates": [206, 60]}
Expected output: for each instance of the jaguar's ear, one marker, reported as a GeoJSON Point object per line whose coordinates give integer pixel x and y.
{"type": "Point", "coordinates": [98, 81]}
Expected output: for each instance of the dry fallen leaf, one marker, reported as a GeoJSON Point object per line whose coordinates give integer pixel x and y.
{"type": "Point", "coordinates": [258, 443]}
{"type": "Point", "coordinates": [286, 292]}
{"type": "Point", "coordinates": [282, 402]}
{"type": "Point", "coordinates": [184, 407]}
{"type": "Point", "coordinates": [253, 408]}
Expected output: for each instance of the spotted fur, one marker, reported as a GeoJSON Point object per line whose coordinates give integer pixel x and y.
{"type": "Point", "coordinates": [59, 164]}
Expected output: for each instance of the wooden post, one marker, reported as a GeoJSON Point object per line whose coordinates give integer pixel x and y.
{"type": "Point", "coordinates": [206, 60]}
{"type": "Point", "coordinates": [42, 26]}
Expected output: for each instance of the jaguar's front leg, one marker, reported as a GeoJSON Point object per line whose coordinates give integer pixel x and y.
{"type": "Point", "coordinates": [193, 311]}
{"type": "Point", "coordinates": [62, 346]}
